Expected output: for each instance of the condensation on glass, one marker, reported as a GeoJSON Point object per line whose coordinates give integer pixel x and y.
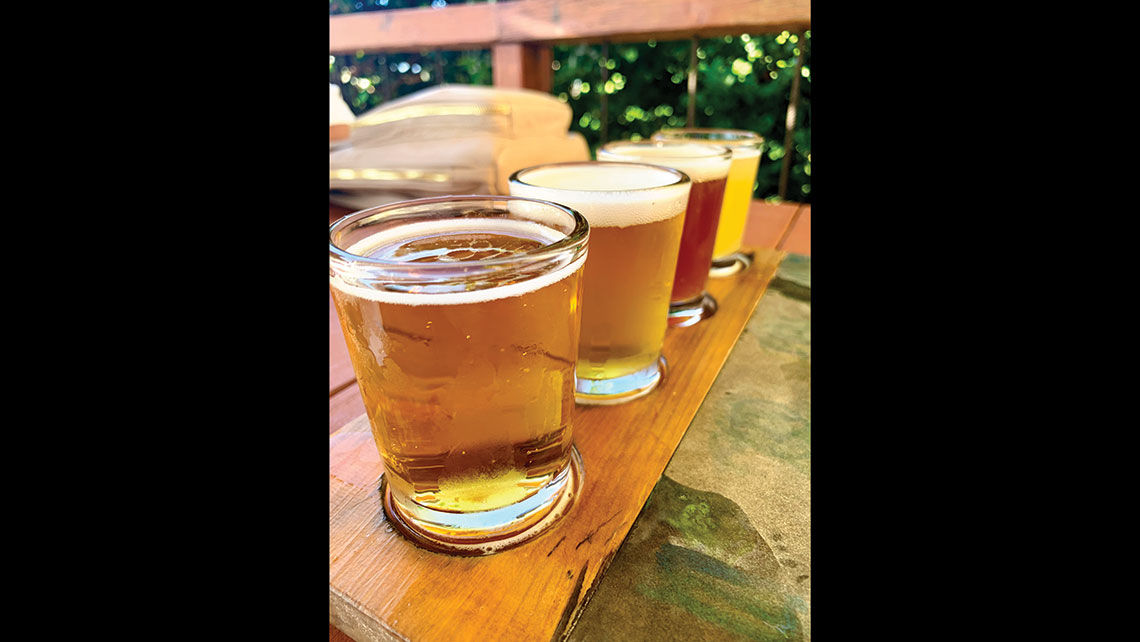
{"type": "Point", "coordinates": [461, 315]}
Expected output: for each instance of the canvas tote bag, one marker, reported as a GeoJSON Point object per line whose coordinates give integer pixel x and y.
{"type": "Point", "coordinates": [450, 139]}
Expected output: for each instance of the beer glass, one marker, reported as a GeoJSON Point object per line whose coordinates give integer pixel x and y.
{"type": "Point", "coordinates": [636, 212]}
{"type": "Point", "coordinates": [461, 315]}
{"type": "Point", "coordinates": [728, 255]}
{"type": "Point", "coordinates": [707, 167]}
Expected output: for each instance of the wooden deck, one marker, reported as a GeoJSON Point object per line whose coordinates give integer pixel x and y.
{"type": "Point", "coordinates": [783, 226]}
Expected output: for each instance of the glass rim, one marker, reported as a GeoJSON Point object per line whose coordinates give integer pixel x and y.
{"type": "Point", "coordinates": [682, 177]}
{"type": "Point", "coordinates": [725, 153]}
{"type": "Point", "coordinates": [737, 137]}
{"type": "Point", "coordinates": [575, 238]}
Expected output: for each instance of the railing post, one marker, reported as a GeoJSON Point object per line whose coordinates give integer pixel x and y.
{"type": "Point", "coordinates": [691, 117]}
{"type": "Point", "coordinates": [790, 119]}
{"type": "Point", "coordinates": [603, 96]}
{"type": "Point", "coordinates": [522, 65]}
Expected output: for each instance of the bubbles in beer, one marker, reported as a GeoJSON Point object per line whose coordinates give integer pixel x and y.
{"type": "Point", "coordinates": [463, 333]}
{"type": "Point", "coordinates": [449, 248]}
{"type": "Point", "coordinates": [455, 241]}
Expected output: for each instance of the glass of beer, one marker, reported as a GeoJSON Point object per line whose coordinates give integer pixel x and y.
{"type": "Point", "coordinates": [728, 254]}
{"type": "Point", "coordinates": [461, 315]}
{"type": "Point", "coordinates": [707, 167]}
{"type": "Point", "coordinates": [636, 212]}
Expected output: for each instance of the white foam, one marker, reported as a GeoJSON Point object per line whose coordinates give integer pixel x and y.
{"type": "Point", "coordinates": [744, 144]}
{"type": "Point", "coordinates": [700, 161]}
{"type": "Point", "coordinates": [608, 194]}
{"type": "Point", "coordinates": [744, 151]}
{"type": "Point", "coordinates": [511, 227]}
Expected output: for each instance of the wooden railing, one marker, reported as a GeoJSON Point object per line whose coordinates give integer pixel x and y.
{"type": "Point", "coordinates": [520, 33]}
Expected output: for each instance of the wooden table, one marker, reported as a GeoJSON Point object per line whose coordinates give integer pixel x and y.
{"type": "Point", "coordinates": [772, 585]}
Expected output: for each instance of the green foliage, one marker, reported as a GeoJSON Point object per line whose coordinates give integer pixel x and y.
{"type": "Point", "coordinates": [743, 82]}
{"type": "Point", "coordinates": [644, 87]}
{"type": "Point", "coordinates": [366, 80]}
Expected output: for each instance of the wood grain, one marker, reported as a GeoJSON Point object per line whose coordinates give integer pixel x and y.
{"type": "Point", "coordinates": [559, 21]}
{"type": "Point", "coordinates": [797, 239]}
{"type": "Point", "coordinates": [481, 26]}
{"type": "Point", "coordinates": [768, 223]}
{"type": "Point", "coordinates": [382, 587]}
{"type": "Point", "coordinates": [522, 66]}
{"type": "Point", "coordinates": [457, 27]}
{"type": "Point", "coordinates": [344, 406]}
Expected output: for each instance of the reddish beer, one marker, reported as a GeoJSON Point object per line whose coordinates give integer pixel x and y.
{"type": "Point", "coordinates": [707, 166]}
{"type": "Point", "coordinates": [728, 258]}
{"type": "Point", "coordinates": [697, 240]}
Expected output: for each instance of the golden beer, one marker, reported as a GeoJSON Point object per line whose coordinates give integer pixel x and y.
{"type": "Point", "coordinates": [745, 147]}
{"type": "Point", "coordinates": [707, 168]}
{"type": "Point", "coordinates": [461, 316]}
{"type": "Point", "coordinates": [636, 213]}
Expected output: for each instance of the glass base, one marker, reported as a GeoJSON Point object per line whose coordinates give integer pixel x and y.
{"type": "Point", "coordinates": [485, 532]}
{"type": "Point", "coordinates": [607, 392]}
{"type": "Point", "coordinates": [731, 264]}
{"type": "Point", "coordinates": [687, 313]}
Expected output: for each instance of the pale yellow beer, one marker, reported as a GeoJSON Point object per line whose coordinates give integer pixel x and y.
{"type": "Point", "coordinates": [737, 200]}
{"type": "Point", "coordinates": [636, 213]}
{"type": "Point", "coordinates": [746, 147]}
{"type": "Point", "coordinates": [461, 317]}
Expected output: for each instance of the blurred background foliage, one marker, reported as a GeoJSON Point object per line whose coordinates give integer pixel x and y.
{"type": "Point", "coordinates": [743, 82]}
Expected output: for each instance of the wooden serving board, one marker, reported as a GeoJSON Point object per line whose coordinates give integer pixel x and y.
{"type": "Point", "coordinates": [383, 587]}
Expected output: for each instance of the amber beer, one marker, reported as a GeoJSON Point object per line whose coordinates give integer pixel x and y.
{"type": "Point", "coordinates": [636, 213]}
{"type": "Point", "coordinates": [461, 317]}
{"type": "Point", "coordinates": [728, 255]}
{"type": "Point", "coordinates": [707, 167]}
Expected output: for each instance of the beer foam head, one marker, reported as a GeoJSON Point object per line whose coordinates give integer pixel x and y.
{"type": "Point", "coordinates": [372, 255]}
{"type": "Point", "coordinates": [608, 194]}
{"type": "Point", "coordinates": [702, 162]}
{"type": "Point", "coordinates": [743, 143]}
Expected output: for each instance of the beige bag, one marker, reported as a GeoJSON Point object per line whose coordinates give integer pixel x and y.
{"type": "Point", "coordinates": [340, 118]}
{"type": "Point", "coordinates": [450, 139]}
